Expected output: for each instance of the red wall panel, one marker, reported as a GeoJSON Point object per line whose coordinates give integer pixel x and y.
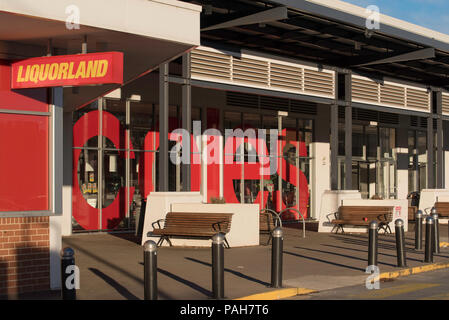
{"type": "Point", "coordinates": [24, 182]}
{"type": "Point", "coordinates": [23, 162]}
{"type": "Point", "coordinates": [23, 99]}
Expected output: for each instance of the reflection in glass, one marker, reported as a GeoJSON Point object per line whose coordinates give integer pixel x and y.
{"type": "Point", "coordinates": [87, 172]}
{"type": "Point", "coordinates": [113, 175]}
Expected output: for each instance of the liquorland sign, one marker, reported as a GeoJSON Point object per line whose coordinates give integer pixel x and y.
{"type": "Point", "coordinates": [68, 70]}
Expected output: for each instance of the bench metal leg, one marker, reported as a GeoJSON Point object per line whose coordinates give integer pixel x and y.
{"type": "Point", "coordinates": [269, 239]}
{"type": "Point", "coordinates": [381, 227]}
{"type": "Point", "coordinates": [169, 242]}
{"type": "Point", "coordinates": [161, 241]}
{"type": "Point", "coordinates": [386, 228]}
{"type": "Point", "coordinates": [227, 243]}
{"type": "Point", "coordinates": [338, 226]}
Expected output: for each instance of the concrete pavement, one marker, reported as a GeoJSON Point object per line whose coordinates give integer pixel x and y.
{"type": "Point", "coordinates": [424, 286]}
{"type": "Point", "coordinates": [111, 266]}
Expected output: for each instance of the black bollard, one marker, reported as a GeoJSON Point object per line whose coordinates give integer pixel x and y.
{"type": "Point", "coordinates": [428, 254]}
{"type": "Point", "coordinates": [372, 243]}
{"type": "Point", "coordinates": [276, 257]}
{"type": "Point", "coordinates": [150, 270]}
{"type": "Point", "coordinates": [218, 266]}
{"type": "Point", "coordinates": [418, 230]}
{"type": "Point", "coordinates": [68, 291]}
{"type": "Point", "coordinates": [436, 233]}
{"type": "Point", "coordinates": [400, 243]}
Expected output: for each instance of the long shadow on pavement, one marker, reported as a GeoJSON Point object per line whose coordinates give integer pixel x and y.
{"type": "Point", "coordinates": [117, 286]}
{"type": "Point", "coordinates": [236, 273]}
{"type": "Point", "coordinates": [365, 251]}
{"type": "Point", "coordinates": [348, 240]}
{"type": "Point", "coordinates": [342, 255]}
{"type": "Point", "coordinates": [115, 267]}
{"type": "Point", "coordinates": [324, 261]}
{"type": "Point", "coordinates": [186, 282]}
{"type": "Point", "coordinates": [409, 247]}
{"type": "Point", "coordinates": [382, 237]}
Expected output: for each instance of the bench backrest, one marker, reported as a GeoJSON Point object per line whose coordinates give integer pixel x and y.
{"type": "Point", "coordinates": [207, 221]}
{"type": "Point", "coordinates": [380, 213]}
{"type": "Point", "coordinates": [442, 207]}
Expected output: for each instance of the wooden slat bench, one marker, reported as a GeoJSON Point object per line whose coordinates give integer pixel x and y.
{"type": "Point", "coordinates": [267, 224]}
{"type": "Point", "coordinates": [362, 216]}
{"type": "Point", "coordinates": [442, 209]}
{"type": "Point", "coordinates": [191, 225]}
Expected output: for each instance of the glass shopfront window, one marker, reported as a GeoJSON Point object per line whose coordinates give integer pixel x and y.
{"type": "Point", "coordinates": [373, 160]}
{"type": "Point", "coordinates": [115, 175]}
{"type": "Point", "coordinates": [109, 189]}
{"type": "Point", "coordinates": [417, 153]}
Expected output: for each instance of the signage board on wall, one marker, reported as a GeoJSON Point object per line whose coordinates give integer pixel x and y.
{"type": "Point", "coordinates": [68, 70]}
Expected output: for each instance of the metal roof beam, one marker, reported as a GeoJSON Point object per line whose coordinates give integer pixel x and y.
{"type": "Point", "coordinates": [302, 22]}
{"type": "Point", "coordinates": [337, 15]}
{"type": "Point", "coordinates": [308, 39]}
{"type": "Point", "coordinates": [264, 43]}
{"type": "Point", "coordinates": [269, 15]}
{"type": "Point", "coordinates": [427, 53]}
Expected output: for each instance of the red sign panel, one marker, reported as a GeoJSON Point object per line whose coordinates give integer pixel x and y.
{"type": "Point", "coordinates": [68, 70]}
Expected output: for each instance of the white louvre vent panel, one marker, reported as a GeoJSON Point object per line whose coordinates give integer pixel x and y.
{"type": "Point", "coordinates": [320, 82]}
{"type": "Point", "coordinates": [286, 77]}
{"type": "Point", "coordinates": [365, 90]}
{"type": "Point", "coordinates": [419, 99]}
{"type": "Point", "coordinates": [445, 101]}
{"type": "Point", "coordinates": [392, 94]}
{"type": "Point", "coordinates": [210, 64]}
{"type": "Point", "coordinates": [250, 71]}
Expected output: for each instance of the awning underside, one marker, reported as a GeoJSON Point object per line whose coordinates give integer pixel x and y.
{"type": "Point", "coordinates": [267, 26]}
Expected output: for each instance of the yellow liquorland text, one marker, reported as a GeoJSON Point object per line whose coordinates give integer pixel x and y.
{"type": "Point", "coordinates": [62, 71]}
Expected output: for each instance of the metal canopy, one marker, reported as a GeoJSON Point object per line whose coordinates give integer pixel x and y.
{"type": "Point", "coordinates": [320, 35]}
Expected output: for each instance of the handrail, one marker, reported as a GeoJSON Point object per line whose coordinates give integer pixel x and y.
{"type": "Point", "coordinates": [302, 217]}
{"type": "Point", "coordinates": [276, 214]}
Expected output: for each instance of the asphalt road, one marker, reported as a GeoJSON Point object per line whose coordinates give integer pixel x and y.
{"type": "Point", "coordinates": [425, 286]}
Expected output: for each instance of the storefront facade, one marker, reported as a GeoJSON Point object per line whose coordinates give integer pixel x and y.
{"type": "Point", "coordinates": [55, 57]}
{"type": "Point", "coordinates": [130, 174]}
{"type": "Point", "coordinates": [282, 101]}
{"type": "Point", "coordinates": [249, 90]}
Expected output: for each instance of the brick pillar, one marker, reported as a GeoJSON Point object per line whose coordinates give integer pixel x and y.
{"type": "Point", "coordinates": [24, 255]}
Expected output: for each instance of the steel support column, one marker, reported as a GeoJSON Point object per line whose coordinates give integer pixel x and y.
{"type": "Point", "coordinates": [334, 146]}
{"type": "Point", "coordinates": [186, 117]}
{"type": "Point", "coordinates": [439, 143]}
{"type": "Point", "coordinates": [334, 137]}
{"type": "Point", "coordinates": [430, 157]}
{"type": "Point", "coordinates": [348, 133]}
{"type": "Point", "coordinates": [163, 127]}
{"type": "Point", "coordinates": [445, 126]}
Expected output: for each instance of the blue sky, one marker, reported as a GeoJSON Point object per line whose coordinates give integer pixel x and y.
{"type": "Point", "coordinates": [433, 14]}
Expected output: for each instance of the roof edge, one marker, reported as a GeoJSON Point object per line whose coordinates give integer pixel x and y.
{"type": "Point", "coordinates": [355, 15]}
